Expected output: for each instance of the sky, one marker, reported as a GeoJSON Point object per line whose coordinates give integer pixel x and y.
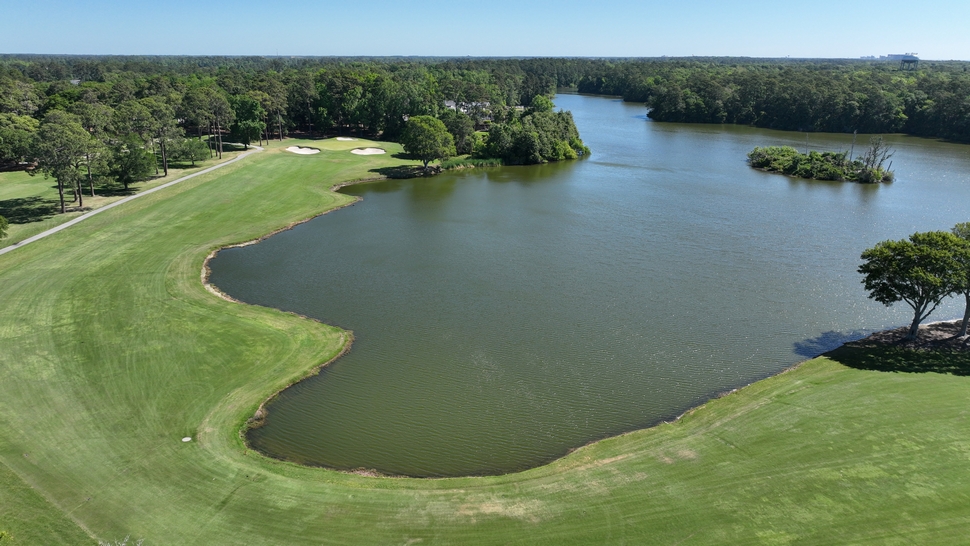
{"type": "Point", "coordinates": [935, 29]}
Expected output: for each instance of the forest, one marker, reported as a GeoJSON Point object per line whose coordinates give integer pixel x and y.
{"type": "Point", "coordinates": [806, 95]}
{"type": "Point", "coordinates": [89, 120]}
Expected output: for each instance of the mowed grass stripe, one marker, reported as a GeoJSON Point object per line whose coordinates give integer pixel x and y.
{"type": "Point", "coordinates": [113, 351]}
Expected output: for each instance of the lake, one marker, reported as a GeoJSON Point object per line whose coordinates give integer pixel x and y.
{"type": "Point", "coordinates": [505, 316]}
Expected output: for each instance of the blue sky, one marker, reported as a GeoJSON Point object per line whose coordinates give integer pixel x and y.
{"type": "Point", "coordinates": [936, 29]}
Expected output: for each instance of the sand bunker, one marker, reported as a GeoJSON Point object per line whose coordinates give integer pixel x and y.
{"type": "Point", "coordinates": [187, 439]}
{"type": "Point", "coordinates": [345, 138]}
{"type": "Point", "coordinates": [302, 151]}
{"type": "Point", "coordinates": [367, 151]}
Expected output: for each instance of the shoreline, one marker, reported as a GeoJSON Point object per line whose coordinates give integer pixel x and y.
{"type": "Point", "coordinates": [258, 417]}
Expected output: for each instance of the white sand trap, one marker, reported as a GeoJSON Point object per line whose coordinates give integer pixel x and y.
{"type": "Point", "coordinates": [368, 151]}
{"type": "Point", "coordinates": [187, 439]}
{"type": "Point", "coordinates": [345, 138]}
{"type": "Point", "coordinates": [302, 151]}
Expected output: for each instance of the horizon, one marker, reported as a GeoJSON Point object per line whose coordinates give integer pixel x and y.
{"type": "Point", "coordinates": [872, 58]}
{"type": "Point", "coordinates": [432, 28]}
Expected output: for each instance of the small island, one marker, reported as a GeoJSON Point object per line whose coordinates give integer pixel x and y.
{"type": "Point", "coordinates": [867, 169]}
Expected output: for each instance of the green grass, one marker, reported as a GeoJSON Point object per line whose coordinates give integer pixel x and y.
{"type": "Point", "coordinates": [31, 203]}
{"type": "Point", "coordinates": [111, 351]}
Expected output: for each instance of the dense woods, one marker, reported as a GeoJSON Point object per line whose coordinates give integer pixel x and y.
{"type": "Point", "coordinates": [97, 122]}
{"type": "Point", "coordinates": [91, 122]}
{"type": "Point", "coordinates": [830, 96]}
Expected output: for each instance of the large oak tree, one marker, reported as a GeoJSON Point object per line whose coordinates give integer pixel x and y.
{"type": "Point", "coordinates": [426, 138]}
{"type": "Point", "coordinates": [920, 271]}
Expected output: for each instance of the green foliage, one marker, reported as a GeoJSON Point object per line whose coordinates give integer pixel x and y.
{"type": "Point", "coordinates": [60, 147]}
{"type": "Point", "coordinates": [541, 103]}
{"type": "Point", "coordinates": [248, 124]}
{"type": "Point", "coordinates": [920, 271]}
{"type": "Point", "coordinates": [962, 230]}
{"type": "Point", "coordinates": [819, 165]}
{"type": "Point", "coordinates": [188, 149]}
{"type": "Point", "coordinates": [3, 227]}
{"type": "Point", "coordinates": [462, 129]}
{"type": "Point", "coordinates": [16, 137]}
{"type": "Point", "coordinates": [828, 96]}
{"type": "Point", "coordinates": [130, 162]}
{"type": "Point", "coordinates": [426, 138]}
{"type": "Point", "coordinates": [466, 162]}
{"type": "Point", "coordinates": [537, 137]}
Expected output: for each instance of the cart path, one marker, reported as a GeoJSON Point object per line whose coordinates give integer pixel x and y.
{"type": "Point", "coordinates": [85, 216]}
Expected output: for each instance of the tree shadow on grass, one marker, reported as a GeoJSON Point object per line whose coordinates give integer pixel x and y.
{"type": "Point", "coordinates": [937, 350]}
{"type": "Point", "coordinates": [24, 210]}
{"type": "Point", "coordinates": [826, 341]}
{"type": "Point", "coordinates": [116, 190]}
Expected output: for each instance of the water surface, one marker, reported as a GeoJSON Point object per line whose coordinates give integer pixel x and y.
{"type": "Point", "coordinates": [505, 316]}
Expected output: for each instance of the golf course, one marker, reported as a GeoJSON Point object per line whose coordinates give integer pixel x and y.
{"type": "Point", "coordinates": [113, 352]}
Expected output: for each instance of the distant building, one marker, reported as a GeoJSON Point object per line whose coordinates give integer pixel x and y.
{"type": "Point", "coordinates": [899, 57]}
{"type": "Point", "coordinates": [907, 61]}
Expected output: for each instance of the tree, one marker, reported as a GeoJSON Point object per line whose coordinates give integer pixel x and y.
{"type": "Point", "coordinates": [130, 162]}
{"type": "Point", "coordinates": [462, 129]}
{"type": "Point", "coordinates": [188, 149]}
{"type": "Point", "coordinates": [95, 117]}
{"type": "Point", "coordinates": [962, 231]}
{"type": "Point", "coordinates": [920, 271]}
{"type": "Point", "coordinates": [541, 103]}
{"type": "Point", "coordinates": [16, 136]}
{"type": "Point", "coordinates": [61, 146]}
{"type": "Point", "coordinates": [427, 139]}
{"type": "Point", "coordinates": [873, 159]}
{"type": "Point", "coordinates": [273, 87]}
{"type": "Point", "coordinates": [164, 125]}
{"type": "Point", "coordinates": [248, 124]}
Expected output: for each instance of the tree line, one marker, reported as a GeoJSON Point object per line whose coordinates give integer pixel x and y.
{"type": "Point", "coordinates": [142, 113]}
{"type": "Point", "coordinates": [828, 96]}
{"type": "Point", "coordinates": [92, 122]}
{"type": "Point", "coordinates": [921, 271]}
{"type": "Point", "coordinates": [530, 136]}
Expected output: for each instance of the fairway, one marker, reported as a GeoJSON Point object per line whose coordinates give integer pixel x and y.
{"type": "Point", "coordinates": [112, 351]}
{"type": "Point", "coordinates": [30, 203]}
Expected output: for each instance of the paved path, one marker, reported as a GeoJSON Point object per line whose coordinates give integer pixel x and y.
{"type": "Point", "coordinates": [83, 217]}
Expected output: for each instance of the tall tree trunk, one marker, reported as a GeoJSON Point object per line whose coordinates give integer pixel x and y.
{"type": "Point", "coordinates": [155, 155]}
{"type": "Point", "coordinates": [161, 145]}
{"type": "Point", "coordinates": [90, 178]}
{"type": "Point", "coordinates": [279, 121]}
{"type": "Point", "coordinates": [209, 142]}
{"type": "Point", "coordinates": [966, 315]}
{"type": "Point", "coordinates": [914, 327]}
{"type": "Point", "coordinates": [60, 193]}
{"type": "Point", "coordinates": [309, 116]}
{"type": "Point", "coordinates": [219, 136]}
{"type": "Point", "coordinates": [80, 194]}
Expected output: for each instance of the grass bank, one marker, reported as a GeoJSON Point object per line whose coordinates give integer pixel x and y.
{"type": "Point", "coordinates": [113, 351]}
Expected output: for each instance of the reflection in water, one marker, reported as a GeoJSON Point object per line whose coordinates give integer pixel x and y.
{"type": "Point", "coordinates": [504, 316]}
